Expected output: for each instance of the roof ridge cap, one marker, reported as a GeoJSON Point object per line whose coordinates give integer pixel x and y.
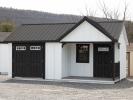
{"type": "Point", "coordinates": [120, 21]}
{"type": "Point", "coordinates": [49, 23]}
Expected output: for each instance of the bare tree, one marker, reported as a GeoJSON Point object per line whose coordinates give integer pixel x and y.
{"type": "Point", "coordinates": [125, 10]}
{"type": "Point", "coordinates": [116, 14]}
{"type": "Point", "coordinates": [108, 13]}
{"type": "Point", "coordinates": [104, 9]}
{"type": "Point", "coordinates": [88, 12]}
{"type": "Point", "coordinates": [112, 14]}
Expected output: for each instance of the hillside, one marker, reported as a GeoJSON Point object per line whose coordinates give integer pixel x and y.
{"type": "Point", "coordinates": [31, 17]}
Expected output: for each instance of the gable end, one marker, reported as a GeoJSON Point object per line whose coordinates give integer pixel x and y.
{"type": "Point", "coordinates": [95, 24]}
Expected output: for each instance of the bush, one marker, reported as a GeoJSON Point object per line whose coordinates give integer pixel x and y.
{"type": "Point", "coordinates": [6, 27]}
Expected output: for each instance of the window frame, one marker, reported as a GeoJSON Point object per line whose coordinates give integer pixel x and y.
{"type": "Point", "coordinates": [103, 49]}
{"type": "Point", "coordinates": [35, 48]}
{"type": "Point", "coordinates": [21, 48]}
{"type": "Point", "coordinates": [87, 54]}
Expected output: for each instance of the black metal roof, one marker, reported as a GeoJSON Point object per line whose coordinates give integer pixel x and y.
{"type": "Point", "coordinates": [4, 35]}
{"type": "Point", "coordinates": [56, 31]}
{"type": "Point", "coordinates": [40, 32]}
{"type": "Point", "coordinates": [114, 28]}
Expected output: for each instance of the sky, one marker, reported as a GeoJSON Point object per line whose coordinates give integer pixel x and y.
{"type": "Point", "coordinates": [76, 7]}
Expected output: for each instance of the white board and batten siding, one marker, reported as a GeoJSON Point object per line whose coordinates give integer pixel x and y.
{"type": "Point", "coordinates": [6, 59]}
{"type": "Point", "coordinates": [53, 60]}
{"type": "Point", "coordinates": [69, 65]}
{"type": "Point", "coordinates": [123, 43]}
{"type": "Point", "coordinates": [86, 33]}
{"type": "Point", "coordinates": [81, 69]}
{"type": "Point", "coordinates": [66, 53]}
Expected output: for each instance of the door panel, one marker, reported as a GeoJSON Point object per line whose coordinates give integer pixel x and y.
{"type": "Point", "coordinates": [28, 63]}
{"type": "Point", "coordinates": [103, 60]}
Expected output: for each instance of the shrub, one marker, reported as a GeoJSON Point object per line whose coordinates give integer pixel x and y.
{"type": "Point", "coordinates": [6, 27]}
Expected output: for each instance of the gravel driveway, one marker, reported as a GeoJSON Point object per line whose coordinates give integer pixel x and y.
{"type": "Point", "coordinates": [11, 89]}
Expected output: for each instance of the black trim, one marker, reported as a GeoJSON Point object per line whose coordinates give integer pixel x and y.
{"type": "Point", "coordinates": [43, 62]}
{"type": "Point", "coordinates": [113, 71]}
{"type": "Point", "coordinates": [13, 71]}
{"type": "Point", "coordinates": [117, 70]}
{"type": "Point", "coordinates": [95, 24]}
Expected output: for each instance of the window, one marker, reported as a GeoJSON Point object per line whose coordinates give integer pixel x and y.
{"type": "Point", "coordinates": [82, 53]}
{"type": "Point", "coordinates": [20, 47]}
{"type": "Point", "coordinates": [103, 49]}
{"type": "Point", "coordinates": [35, 47]}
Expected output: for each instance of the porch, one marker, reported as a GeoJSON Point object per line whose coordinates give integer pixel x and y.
{"type": "Point", "coordinates": [101, 66]}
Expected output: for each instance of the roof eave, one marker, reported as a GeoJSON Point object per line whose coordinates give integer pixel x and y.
{"type": "Point", "coordinates": [43, 41]}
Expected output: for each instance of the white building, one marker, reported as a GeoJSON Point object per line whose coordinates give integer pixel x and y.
{"type": "Point", "coordinates": [87, 50]}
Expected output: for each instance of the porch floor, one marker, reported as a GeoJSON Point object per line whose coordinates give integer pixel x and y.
{"type": "Point", "coordinates": [91, 79]}
{"type": "Point", "coordinates": [87, 78]}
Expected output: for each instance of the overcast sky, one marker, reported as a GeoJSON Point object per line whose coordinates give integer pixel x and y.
{"type": "Point", "coordinates": [69, 6]}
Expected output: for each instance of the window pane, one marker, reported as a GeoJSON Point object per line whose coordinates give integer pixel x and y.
{"type": "Point", "coordinates": [82, 53]}
{"type": "Point", "coordinates": [20, 47]}
{"type": "Point", "coordinates": [102, 49]}
{"type": "Point", "coordinates": [35, 47]}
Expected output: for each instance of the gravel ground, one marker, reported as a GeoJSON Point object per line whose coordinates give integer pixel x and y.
{"type": "Point", "coordinates": [11, 89]}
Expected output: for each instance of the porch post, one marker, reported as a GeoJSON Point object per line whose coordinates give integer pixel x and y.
{"type": "Point", "coordinates": [113, 71]}
{"type": "Point", "coordinates": [113, 45]}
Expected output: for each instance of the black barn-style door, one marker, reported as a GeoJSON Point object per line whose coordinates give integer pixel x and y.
{"type": "Point", "coordinates": [103, 60]}
{"type": "Point", "coordinates": [28, 60]}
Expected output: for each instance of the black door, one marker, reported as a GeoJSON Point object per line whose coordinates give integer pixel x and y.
{"type": "Point", "coordinates": [103, 60]}
{"type": "Point", "coordinates": [28, 60]}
